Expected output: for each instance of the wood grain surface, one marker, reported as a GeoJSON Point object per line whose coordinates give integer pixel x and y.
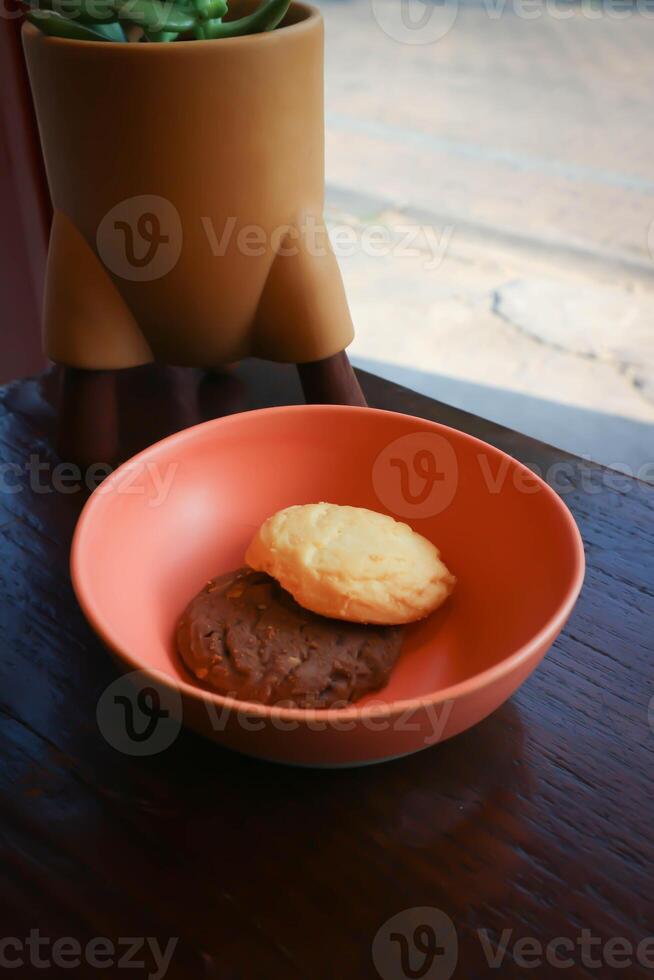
{"type": "Point", "coordinates": [536, 824]}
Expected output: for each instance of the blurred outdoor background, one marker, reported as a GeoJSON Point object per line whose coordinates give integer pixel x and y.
{"type": "Point", "coordinates": [490, 192]}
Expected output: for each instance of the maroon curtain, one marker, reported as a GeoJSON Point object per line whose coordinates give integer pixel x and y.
{"type": "Point", "coordinates": [25, 211]}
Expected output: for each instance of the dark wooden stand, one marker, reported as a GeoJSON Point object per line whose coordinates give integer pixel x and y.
{"type": "Point", "coordinates": [330, 382]}
{"type": "Point", "coordinates": [88, 417]}
{"type": "Point", "coordinates": [89, 428]}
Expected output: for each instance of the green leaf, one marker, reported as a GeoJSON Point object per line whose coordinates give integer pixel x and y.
{"type": "Point", "coordinates": [210, 9]}
{"type": "Point", "coordinates": [112, 32]}
{"type": "Point", "coordinates": [163, 37]}
{"type": "Point", "coordinates": [212, 28]}
{"type": "Point", "coordinates": [156, 15]}
{"type": "Point", "coordinates": [265, 18]}
{"type": "Point", "coordinates": [53, 24]}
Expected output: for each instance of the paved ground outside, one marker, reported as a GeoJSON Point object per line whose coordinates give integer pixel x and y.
{"type": "Point", "coordinates": [491, 199]}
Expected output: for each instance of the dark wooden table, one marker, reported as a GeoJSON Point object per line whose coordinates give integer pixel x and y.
{"type": "Point", "coordinates": [535, 825]}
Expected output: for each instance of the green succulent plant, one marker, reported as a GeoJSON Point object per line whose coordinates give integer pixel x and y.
{"type": "Point", "coordinates": [150, 20]}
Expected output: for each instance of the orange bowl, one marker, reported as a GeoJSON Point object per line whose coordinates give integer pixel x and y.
{"type": "Point", "coordinates": [185, 509]}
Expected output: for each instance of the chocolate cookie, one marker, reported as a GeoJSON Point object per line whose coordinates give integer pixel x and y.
{"type": "Point", "coordinates": [245, 636]}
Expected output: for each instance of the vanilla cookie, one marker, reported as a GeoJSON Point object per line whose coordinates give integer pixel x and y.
{"type": "Point", "coordinates": [351, 563]}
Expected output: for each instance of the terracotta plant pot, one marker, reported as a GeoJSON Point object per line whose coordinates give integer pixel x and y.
{"type": "Point", "coordinates": [187, 182]}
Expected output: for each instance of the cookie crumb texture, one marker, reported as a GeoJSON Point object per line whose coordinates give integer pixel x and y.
{"type": "Point", "coordinates": [246, 637]}
{"type": "Point", "coordinates": [351, 563]}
